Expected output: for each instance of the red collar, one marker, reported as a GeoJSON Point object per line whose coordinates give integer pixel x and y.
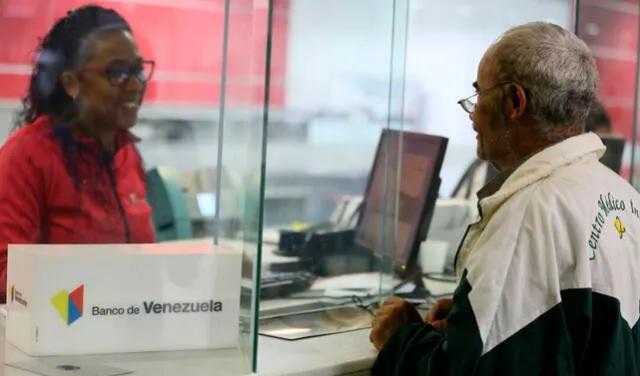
{"type": "Point", "coordinates": [123, 138]}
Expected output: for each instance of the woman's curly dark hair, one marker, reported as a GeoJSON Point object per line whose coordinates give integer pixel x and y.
{"type": "Point", "coordinates": [65, 46]}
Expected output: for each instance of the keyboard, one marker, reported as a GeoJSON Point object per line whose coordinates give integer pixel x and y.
{"type": "Point", "coordinates": [281, 284]}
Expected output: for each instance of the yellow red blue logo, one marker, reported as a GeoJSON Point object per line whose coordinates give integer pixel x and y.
{"type": "Point", "coordinates": [69, 305]}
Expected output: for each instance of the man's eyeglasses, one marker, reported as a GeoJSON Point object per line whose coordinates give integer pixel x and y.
{"type": "Point", "coordinates": [119, 74]}
{"type": "Point", "coordinates": [469, 104]}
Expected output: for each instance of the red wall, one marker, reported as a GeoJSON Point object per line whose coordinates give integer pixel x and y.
{"type": "Point", "coordinates": [185, 40]}
{"type": "Point", "coordinates": [615, 48]}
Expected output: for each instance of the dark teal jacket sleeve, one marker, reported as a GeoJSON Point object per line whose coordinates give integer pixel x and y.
{"type": "Point", "coordinates": [410, 351]}
{"type": "Point", "coordinates": [419, 349]}
{"type": "Point", "coordinates": [565, 340]}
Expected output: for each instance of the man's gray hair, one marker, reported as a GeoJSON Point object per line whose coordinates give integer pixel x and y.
{"type": "Point", "coordinates": [556, 69]}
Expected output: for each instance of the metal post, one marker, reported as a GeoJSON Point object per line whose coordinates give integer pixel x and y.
{"type": "Point", "coordinates": [221, 118]}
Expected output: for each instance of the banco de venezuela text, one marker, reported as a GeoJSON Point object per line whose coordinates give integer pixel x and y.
{"type": "Point", "coordinates": [156, 308]}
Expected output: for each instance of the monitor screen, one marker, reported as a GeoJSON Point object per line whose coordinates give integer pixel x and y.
{"type": "Point", "coordinates": [207, 204]}
{"type": "Point", "coordinates": [405, 174]}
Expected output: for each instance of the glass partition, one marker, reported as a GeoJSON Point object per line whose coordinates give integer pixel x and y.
{"type": "Point", "coordinates": [395, 165]}
{"type": "Point", "coordinates": [202, 127]}
{"type": "Point", "coordinates": [351, 76]}
{"type": "Point", "coordinates": [446, 41]}
{"type": "Point", "coordinates": [340, 86]}
{"type": "Point", "coordinates": [249, 65]}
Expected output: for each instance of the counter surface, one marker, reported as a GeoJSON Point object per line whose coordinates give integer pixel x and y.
{"type": "Point", "coordinates": [338, 354]}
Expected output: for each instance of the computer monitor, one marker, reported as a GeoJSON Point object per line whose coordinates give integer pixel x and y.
{"type": "Point", "coordinates": [612, 158]}
{"type": "Point", "coordinates": [410, 196]}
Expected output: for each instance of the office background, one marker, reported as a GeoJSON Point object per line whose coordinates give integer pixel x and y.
{"type": "Point", "coordinates": [298, 91]}
{"type": "Point", "coordinates": [338, 70]}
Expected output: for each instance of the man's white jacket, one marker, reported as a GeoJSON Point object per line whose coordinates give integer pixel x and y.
{"type": "Point", "coordinates": [549, 277]}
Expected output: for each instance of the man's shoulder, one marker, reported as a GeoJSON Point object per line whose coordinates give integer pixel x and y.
{"type": "Point", "coordinates": [582, 184]}
{"type": "Point", "coordinates": [587, 208]}
{"type": "Point", "coordinates": [571, 198]}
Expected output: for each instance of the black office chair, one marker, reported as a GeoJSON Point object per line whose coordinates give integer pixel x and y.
{"type": "Point", "coordinates": [469, 176]}
{"type": "Point", "coordinates": [612, 158]}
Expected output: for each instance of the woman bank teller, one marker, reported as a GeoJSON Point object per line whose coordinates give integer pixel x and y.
{"type": "Point", "coordinates": [70, 173]}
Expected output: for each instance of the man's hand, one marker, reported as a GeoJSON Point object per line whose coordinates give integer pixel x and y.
{"type": "Point", "coordinates": [395, 312]}
{"type": "Point", "coordinates": [437, 315]}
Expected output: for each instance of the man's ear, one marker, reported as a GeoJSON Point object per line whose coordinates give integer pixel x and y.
{"type": "Point", "coordinates": [517, 101]}
{"type": "Point", "coordinates": [70, 83]}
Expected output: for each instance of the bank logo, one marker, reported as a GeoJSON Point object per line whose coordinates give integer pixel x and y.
{"type": "Point", "coordinates": [70, 305]}
{"type": "Point", "coordinates": [619, 227]}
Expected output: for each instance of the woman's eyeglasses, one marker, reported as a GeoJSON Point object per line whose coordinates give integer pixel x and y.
{"type": "Point", "coordinates": [120, 74]}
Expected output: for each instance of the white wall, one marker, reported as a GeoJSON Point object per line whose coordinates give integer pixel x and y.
{"type": "Point", "coordinates": [333, 46]}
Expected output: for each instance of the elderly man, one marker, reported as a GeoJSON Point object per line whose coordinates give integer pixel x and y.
{"type": "Point", "coordinates": [549, 276]}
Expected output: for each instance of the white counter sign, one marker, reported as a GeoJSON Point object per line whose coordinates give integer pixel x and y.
{"type": "Point", "coordinates": [64, 297]}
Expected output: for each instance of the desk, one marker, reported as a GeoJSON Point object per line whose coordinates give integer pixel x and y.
{"type": "Point", "coordinates": [338, 354]}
